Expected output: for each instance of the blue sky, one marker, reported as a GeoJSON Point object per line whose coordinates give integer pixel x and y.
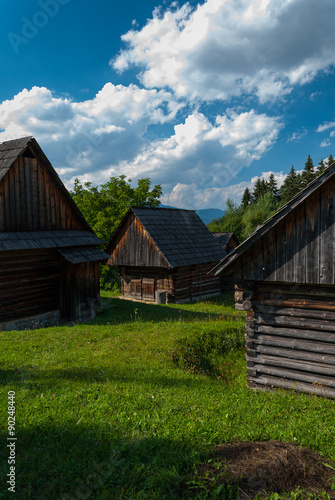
{"type": "Point", "coordinates": [201, 97]}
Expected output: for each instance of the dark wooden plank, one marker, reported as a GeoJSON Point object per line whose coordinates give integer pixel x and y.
{"type": "Point", "coordinates": [290, 275]}
{"type": "Point", "coordinates": [269, 252]}
{"type": "Point", "coordinates": [28, 191]}
{"type": "Point", "coordinates": [41, 197]}
{"type": "Point", "coordinates": [298, 333]}
{"type": "Point", "coordinates": [300, 244]}
{"type": "Point", "coordinates": [280, 251]}
{"type": "Point", "coordinates": [312, 238]}
{"type": "Point", "coordinates": [327, 236]}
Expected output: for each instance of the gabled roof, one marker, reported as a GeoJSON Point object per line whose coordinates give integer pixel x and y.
{"type": "Point", "coordinates": [297, 200]}
{"type": "Point", "coordinates": [224, 238]}
{"type": "Point", "coordinates": [180, 235]}
{"type": "Point", "coordinates": [11, 150]}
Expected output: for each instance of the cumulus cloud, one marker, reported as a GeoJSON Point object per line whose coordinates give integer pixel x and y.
{"type": "Point", "coordinates": [88, 136]}
{"type": "Point", "coordinates": [225, 48]}
{"type": "Point", "coordinates": [105, 136]}
{"type": "Point", "coordinates": [192, 196]}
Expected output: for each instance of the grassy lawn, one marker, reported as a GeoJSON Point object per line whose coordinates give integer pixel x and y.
{"type": "Point", "coordinates": [103, 412]}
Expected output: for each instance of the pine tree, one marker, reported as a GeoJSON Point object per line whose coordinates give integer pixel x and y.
{"type": "Point", "coordinates": [259, 191]}
{"type": "Point", "coordinates": [308, 173]}
{"type": "Point", "coordinates": [272, 185]}
{"type": "Point", "coordinates": [330, 160]}
{"type": "Point", "coordinates": [321, 167]}
{"type": "Point", "coordinates": [290, 187]}
{"type": "Point", "coordinates": [246, 200]}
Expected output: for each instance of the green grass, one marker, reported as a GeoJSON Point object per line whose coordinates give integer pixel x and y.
{"type": "Point", "coordinates": [103, 412]}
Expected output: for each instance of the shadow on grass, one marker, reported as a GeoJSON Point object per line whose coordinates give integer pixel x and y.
{"type": "Point", "coordinates": [29, 377]}
{"type": "Point", "coordinates": [76, 461]}
{"type": "Point", "coordinates": [126, 311]}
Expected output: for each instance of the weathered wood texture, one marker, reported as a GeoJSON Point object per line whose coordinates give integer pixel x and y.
{"type": "Point", "coordinates": [31, 200]}
{"type": "Point", "coordinates": [182, 284]}
{"type": "Point", "coordinates": [80, 292]}
{"type": "Point", "coordinates": [290, 337]}
{"type": "Point", "coordinates": [298, 249]}
{"type": "Point", "coordinates": [142, 283]}
{"type": "Point", "coordinates": [134, 247]}
{"type": "Point", "coordinates": [29, 283]}
{"type": "Point", "coordinates": [193, 283]}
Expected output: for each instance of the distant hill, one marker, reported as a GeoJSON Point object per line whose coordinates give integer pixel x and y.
{"type": "Point", "coordinates": [208, 214]}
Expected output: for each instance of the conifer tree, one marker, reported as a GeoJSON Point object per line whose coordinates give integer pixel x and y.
{"type": "Point", "coordinates": [330, 160]}
{"type": "Point", "coordinates": [308, 173]}
{"type": "Point", "coordinates": [247, 198]}
{"type": "Point", "coordinates": [321, 167]}
{"type": "Point", "coordinates": [290, 187]}
{"type": "Point", "coordinates": [272, 185]}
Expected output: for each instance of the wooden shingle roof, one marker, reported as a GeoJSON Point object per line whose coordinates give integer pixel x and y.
{"type": "Point", "coordinates": [180, 235]}
{"type": "Point", "coordinates": [9, 151]}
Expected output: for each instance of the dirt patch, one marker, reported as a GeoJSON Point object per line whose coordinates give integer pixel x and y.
{"type": "Point", "coordinates": [254, 468]}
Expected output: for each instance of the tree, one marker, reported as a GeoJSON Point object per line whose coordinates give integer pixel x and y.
{"type": "Point", "coordinates": [103, 207]}
{"type": "Point", "coordinates": [308, 173]}
{"type": "Point", "coordinates": [230, 222]}
{"type": "Point", "coordinates": [247, 198]}
{"type": "Point", "coordinates": [330, 160]}
{"type": "Point", "coordinates": [272, 185]}
{"type": "Point", "coordinates": [257, 213]}
{"type": "Point", "coordinates": [291, 186]}
{"type": "Point", "coordinates": [321, 167]}
{"type": "Point", "coordinates": [259, 190]}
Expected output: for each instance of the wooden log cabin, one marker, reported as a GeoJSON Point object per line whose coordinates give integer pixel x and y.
{"type": "Point", "coordinates": [49, 255]}
{"type": "Point", "coordinates": [165, 255]}
{"type": "Point", "coordinates": [285, 276]}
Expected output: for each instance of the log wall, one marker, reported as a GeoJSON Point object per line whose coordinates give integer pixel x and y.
{"type": "Point", "coordinates": [29, 283]}
{"type": "Point", "coordinates": [141, 283]}
{"type": "Point", "coordinates": [194, 282]}
{"type": "Point", "coordinates": [290, 336]}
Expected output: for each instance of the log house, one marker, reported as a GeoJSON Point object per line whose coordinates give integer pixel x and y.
{"type": "Point", "coordinates": [165, 255]}
{"type": "Point", "coordinates": [285, 276]}
{"type": "Point", "coordinates": [49, 255]}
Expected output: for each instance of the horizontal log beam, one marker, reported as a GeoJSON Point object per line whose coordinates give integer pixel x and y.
{"type": "Point", "coordinates": [293, 375]}
{"type": "Point", "coordinates": [309, 323]}
{"type": "Point", "coordinates": [297, 386]}
{"type": "Point", "coordinates": [307, 366]}
{"type": "Point", "coordinates": [290, 353]}
{"type": "Point", "coordinates": [276, 341]}
{"type": "Point", "coordinates": [296, 333]}
{"type": "Point", "coordinates": [296, 312]}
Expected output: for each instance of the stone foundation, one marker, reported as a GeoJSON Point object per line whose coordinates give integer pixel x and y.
{"type": "Point", "coordinates": [50, 318]}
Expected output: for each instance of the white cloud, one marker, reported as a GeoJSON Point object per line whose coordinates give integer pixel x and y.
{"type": "Point", "coordinates": [226, 48]}
{"type": "Point", "coordinates": [191, 196]}
{"type": "Point", "coordinates": [325, 126]}
{"type": "Point", "coordinates": [86, 136]}
{"type": "Point", "coordinates": [325, 143]}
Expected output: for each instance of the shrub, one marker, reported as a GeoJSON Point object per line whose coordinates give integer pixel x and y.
{"type": "Point", "coordinates": [206, 352]}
